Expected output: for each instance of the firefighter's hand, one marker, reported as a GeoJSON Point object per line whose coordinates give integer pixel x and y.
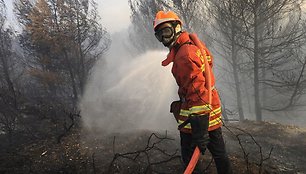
{"type": "Point", "coordinates": [199, 126]}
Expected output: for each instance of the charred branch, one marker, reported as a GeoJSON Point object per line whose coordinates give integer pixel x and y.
{"type": "Point", "coordinates": [151, 146]}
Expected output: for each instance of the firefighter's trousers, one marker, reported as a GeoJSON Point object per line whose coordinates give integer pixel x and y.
{"type": "Point", "coordinates": [216, 147]}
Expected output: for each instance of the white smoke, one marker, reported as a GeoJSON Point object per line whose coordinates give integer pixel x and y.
{"type": "Point", "coordinates": [127, 93]}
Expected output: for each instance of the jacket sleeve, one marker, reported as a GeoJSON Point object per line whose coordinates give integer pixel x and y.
{"type": "Point", "coordinates": [192, 81]}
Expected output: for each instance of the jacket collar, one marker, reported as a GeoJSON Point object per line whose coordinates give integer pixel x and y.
{"type": "Point", "coordinates": [183, 38]}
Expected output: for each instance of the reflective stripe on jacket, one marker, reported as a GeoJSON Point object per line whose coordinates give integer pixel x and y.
{"type": "Point", "coordinates": [188, 69]}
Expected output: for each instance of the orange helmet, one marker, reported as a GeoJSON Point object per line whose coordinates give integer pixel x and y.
{"type": "Point", "coordinates": [162, 17]}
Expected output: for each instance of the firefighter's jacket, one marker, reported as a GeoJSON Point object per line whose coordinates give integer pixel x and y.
{"type": "Point", "coordinates": [188, 70]}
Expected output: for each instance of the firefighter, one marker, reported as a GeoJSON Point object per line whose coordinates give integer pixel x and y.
{"type": "Point", "coordinates": [198, 115]}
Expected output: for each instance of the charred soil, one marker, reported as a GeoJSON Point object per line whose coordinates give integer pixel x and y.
{"type": "Point", "coordinates": [253, 147]}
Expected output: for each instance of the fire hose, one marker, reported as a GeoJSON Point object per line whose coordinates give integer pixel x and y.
{"type": "Point", "coordinates": [196, 154]}
{"type": "Point", "coordinates": [193, 162]}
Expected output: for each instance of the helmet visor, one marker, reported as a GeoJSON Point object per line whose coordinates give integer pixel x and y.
{"type": "Point", "coordinates": [166, 32]}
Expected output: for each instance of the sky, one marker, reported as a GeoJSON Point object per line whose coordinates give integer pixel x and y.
{"type": "Point", "coordinates": [115, 14]}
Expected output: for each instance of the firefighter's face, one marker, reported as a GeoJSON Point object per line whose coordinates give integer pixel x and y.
{"type": "Point", "coordinates": [165, 34]}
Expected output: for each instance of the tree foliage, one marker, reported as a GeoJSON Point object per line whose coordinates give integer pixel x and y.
{"type": "Point", "coordinates": [274, 35]}
{"type": "Point", "coordinates": [227, 25]}
{"type": "Point", "coordinates": [64, 40]}
{"type": "Point", "coordinates": [43, 75]}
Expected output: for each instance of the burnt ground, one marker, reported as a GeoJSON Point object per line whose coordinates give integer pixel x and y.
{"type": "Point", "coordinates": [287, 145]}
{"type": "Point", "coordinates": [253, 148]}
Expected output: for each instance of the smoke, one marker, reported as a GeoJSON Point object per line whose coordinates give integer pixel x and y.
{"type": "Point", "coordinates": [115, 14]}
{"type": "Point", "coordinates": [129, 93]}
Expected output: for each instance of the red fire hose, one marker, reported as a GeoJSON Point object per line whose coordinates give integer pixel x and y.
{"type": "Point", "coordinates": [207, 72]}
{"type": "Point", "coordinates": [193, 162]}
{"type": "Point", "coordinates": [196, 154]}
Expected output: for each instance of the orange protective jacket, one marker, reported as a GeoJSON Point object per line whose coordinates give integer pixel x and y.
{"type": "Point", "coordinates": [188, 70]}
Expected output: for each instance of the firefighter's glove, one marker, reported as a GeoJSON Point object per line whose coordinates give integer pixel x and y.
{"type": "Point", "coordinates": [175, 108]}
{"type": "Point", "coordinates": [199, 126]}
